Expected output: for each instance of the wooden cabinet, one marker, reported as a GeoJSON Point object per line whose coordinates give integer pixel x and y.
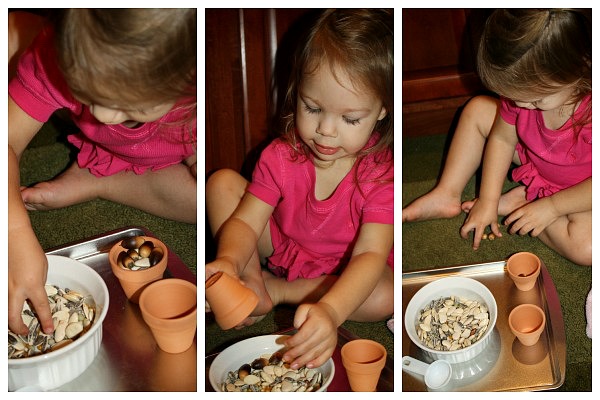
{"type": "Point", "coordinates": [439, 49]}
{"type": "Point", "coordinates": [242, 47]}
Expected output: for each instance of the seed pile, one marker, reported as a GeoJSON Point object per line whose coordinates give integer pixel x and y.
{"type": "Point", "coordinates": [72, 314]}
{"type": "Point", "coordinates": [269, 373]}
{"type": "Point", "coordinates": [140, 254]}
{"type": "Point", "coordinates": [452, 323]}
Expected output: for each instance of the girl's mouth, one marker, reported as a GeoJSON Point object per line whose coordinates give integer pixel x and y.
{"type": "Point", "coordinates": [325, 150]}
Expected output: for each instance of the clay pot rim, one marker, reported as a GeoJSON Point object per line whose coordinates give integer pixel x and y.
{"type": "Point", "coordinates": [151, 319]}
{"type": "Point", "coordinates": [529, 306]}
{"type": "Point", "coordinates": [345, 349]}
{"type": "Point", "coordinates": [524, 253]}
{"type": "Point", "coordinates": [142, 275]}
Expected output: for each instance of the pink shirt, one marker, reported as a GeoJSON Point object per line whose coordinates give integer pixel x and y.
{"type": "Point", "coordinates": [551, 160]}
{"type": "Point", "coordinates": [40, 89]}
{"type": "Point", "coordinates": [314, 237]}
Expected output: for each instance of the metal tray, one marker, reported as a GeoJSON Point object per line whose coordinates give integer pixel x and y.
{"type": "Point", "coordinates": [505, 365]}
{"type": "Point", "coordinates": [129, 358]}
{"type": "Point", "coordinates": [340, 379]}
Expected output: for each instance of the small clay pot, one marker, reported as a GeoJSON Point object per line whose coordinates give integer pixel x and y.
{"type": "Point", "coordinates": [229, 300]}
{"type": "Point", "coordinates": [524, 269]}
{"type": "Point", "coordinates": [527, 322]}
{"type": "Point", "coordinates": [363, 360]}
{"type": "Point", "coordinates": [133, 282]}
{"type": "Point", "coordinates": [169, 309]}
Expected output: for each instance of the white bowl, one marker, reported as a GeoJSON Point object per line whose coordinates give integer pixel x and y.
{"type": "Point", "coordinates": [51, 370]}
{"type": "Point", "coordinates": [451, 286]}
{"type": "Point", "coordinates": [244, 352]}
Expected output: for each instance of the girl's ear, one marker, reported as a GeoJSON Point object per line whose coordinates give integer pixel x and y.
{"type": "Point", "coordinates": [382, 114]}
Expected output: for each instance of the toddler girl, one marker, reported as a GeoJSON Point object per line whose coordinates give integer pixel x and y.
{"type": "Point", "coordinates": [127, 77]}
{"type": "Point", "coordinates": [540, 63]}
{"type": "Point", "coordinates": [319, 210]}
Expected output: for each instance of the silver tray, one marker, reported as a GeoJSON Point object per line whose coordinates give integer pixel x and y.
{"type": "Point", "coordinates": [129, 358]}
{"type": "Point", "coordinates": [505, 365]}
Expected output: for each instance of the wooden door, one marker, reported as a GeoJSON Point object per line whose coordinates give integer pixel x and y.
{"type": "Point", "coordinates": [242, 47]}
{"type": "Point", "coordinates": [439, 49]}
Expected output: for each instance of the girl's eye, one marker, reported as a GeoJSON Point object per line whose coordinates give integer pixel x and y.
{"type": "Point", "coordinates": [311, 110]}
{"type": "Point", "coordinates": [351, 121]}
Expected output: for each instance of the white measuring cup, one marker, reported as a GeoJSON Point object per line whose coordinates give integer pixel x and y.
{"type": "Point", "coordinates": [437, 374]}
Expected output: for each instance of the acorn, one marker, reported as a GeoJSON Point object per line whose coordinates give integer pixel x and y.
{"type": "Point", "coordinates": [146, 248]}
{"type": "Point", "coordinates": [244, 371]}
{"type": "Point", "coordinates": [132, 242]}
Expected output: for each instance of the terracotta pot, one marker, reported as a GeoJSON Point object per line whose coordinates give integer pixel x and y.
{"type": "Point", "coordinates": [169, 309]}
{"type": "Point", "coordinates": [524, 269]}
{"type": "Point", "coordinates": [229, 300]}
{"type": "Point", "coordinates": [363, 360]}
{"type": "Point", "coordinates": [527, 322]}
{"type": "Point", "coordinates": [133, 282]}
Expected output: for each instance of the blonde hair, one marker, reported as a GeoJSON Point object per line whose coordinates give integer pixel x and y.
{"type": "Point", "coordinates": [142, 55]}
{"type": "Point", "coordinates": [538, 52]}
{"type": "Point", "coordinates": [359, 41]}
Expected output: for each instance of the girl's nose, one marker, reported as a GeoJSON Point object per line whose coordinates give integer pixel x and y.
{"type": "Point", "coordinates": [107, 115]}
{"type": "Point", "coordinates": [523, 104]}
{"type": "Point", "coordinates": [326, 127]}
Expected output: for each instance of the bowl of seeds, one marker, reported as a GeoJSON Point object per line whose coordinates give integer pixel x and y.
{"type": "Point", "coordinates": [255, 365]}
{"type": "Point", "coordinates": [78, 299]}
{"type": "Point", "coordinates": [451, 318]}
{"type": "Point", "coordinates": [137, 261]}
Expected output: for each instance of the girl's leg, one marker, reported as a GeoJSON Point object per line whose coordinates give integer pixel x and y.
{"type": "Point", "coordinates": [378, 306]}
{"type": "Point", "coordinates": [169, 193]}
{"type": "Point", "coordinates": [571, 237]}
{"type": "Point", "coordinates": [224, 191]}
{"type": "Point", "coordinates": [464, 157]}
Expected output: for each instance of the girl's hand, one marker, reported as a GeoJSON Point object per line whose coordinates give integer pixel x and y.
{"type": "Point", "coordinates": [28, 269]}
{"type": "Point", "coordinates": [316, 338]}
{"type": "Point", "coordinates": [533, 217]}
{"type": "Point", "coordinates": [482, 214]}
{"type": "Point", "coordinates": [220, 264]}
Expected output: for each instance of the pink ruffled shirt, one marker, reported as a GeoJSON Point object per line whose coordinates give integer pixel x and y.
{"type": "Point", "coordinates": [40, 89]}
{"type": "Point", "coordinates": [315, 237]}
{"type": "Point", "coordinates": [551, 160]}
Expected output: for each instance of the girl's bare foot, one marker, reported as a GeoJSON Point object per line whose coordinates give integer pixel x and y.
{"type": "Point", "coordinates": [509, 201]}
{"type": "Point", "coordinates": [73, 186]}
{"type": "Point", "coordinates": [512, 200]}
{"type": "Point", "coordinates": [265, 304]}
{"type": "Point", "coordinates": [250, 321]}
{"type": "Point", "coordinates": [432, 205]}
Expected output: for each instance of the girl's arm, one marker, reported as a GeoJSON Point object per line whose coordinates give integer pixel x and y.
{"type": "Point", "coordinates": [577, 198]}
{"type": "Point", "coordinates": [317, 323]}
{"type": "Point", "coordinates": [238, 237]}
{"type": "Point", "coordinates": [27, 263]}
{"type": "Point", "coordinates": [498, 155]}
{"type": "Point", "coordinates": [537, 215]}
{"type": "Point", "coordinates": [361, 275]}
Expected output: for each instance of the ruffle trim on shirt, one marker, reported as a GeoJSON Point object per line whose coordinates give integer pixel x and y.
{"type": "Point", "coordinates": [536, 187]}
{"type": "Point", "coordinates": [103, 163]}
{"type": "Point", "coordinates": [291, 261]}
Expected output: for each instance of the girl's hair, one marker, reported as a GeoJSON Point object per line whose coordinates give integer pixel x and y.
{"type": "Point", "coordinates": [537, 52]}
{"type": "Point", "coordinates": [138, 55]}
{"type": "Point", "coordinates": [361, 42]}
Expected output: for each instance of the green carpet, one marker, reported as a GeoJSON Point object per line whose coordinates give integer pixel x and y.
{"type": "Point", "coordinates": [437, 243]}
{"type": "Point", "coordinates": [46, 156]}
